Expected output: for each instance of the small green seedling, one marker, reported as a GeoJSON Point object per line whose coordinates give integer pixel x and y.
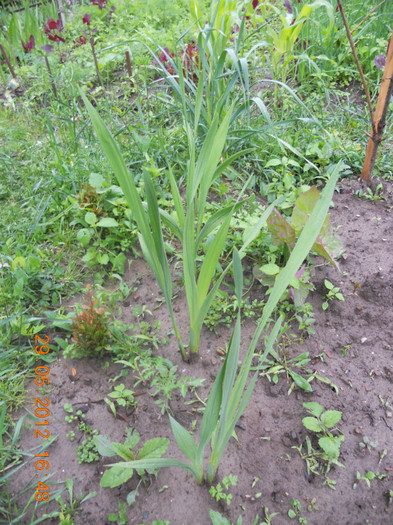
{"type": "Point", "coordinates": [119, 474]}
{"type": "Point", "coordinates": [267, 517]}
{"type": "Point", "coordinates": [122, 396]}
{"type": "Point", "coordinates": [121, 518]}
{"type": "Point", "coordinates": [295, 512]}
{"type": "Point", "coordinates": [218, 493]}
{"type": "Point", "coordinates": [72, 417]}
{"type": "Point", "coordinates": [312, 505]}
{"type": "Point", "coordinates": [333, 293]}
{"type": "Point", "coordinates": [68, 511]}
{"type": "Point", "coordinates": [87, 452]}
{"type": "Point", "coordinates": [368, 445]}
{"type": "Point", "coordinates": [368, 477]}
{"type": "Point", "coordinates": [71, 435]}
{"type": "Point", "coordinates": [322, 422]}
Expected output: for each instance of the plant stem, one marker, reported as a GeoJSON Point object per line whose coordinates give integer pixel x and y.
{"type": "Point", "coordinates": [95, 60]}
{"type": "Point", "coordinates": [365, 18]}
{"type": "Point", "coordinates": [7, 61]}
{"type": "Point", "coordinates": [355, 56]}
{"type": "Point", "coordinates": [51, 76]}
{"type": "Point", "coordinates": [177, 334]}
{"type": "Point", "coordinates": [5, 33]}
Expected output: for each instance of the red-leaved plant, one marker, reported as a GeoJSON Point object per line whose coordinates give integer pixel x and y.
{"type": "Point", "coordinates": [29, 45]}
{"type": "Point", "coordinates": [90, 330]}
{"type": "Point", "coordinates": [189, 57]}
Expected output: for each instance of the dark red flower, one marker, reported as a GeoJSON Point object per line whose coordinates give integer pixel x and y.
{"type": "Point", "coordinates": [100, 3]}
{"type": "Point", "coordinates": [82, 40]}
{"type": "Point", "coordinates": [52, 28]}
{"type": "Point", "coordinates": [86, 19]}
{"type": "Point", "coordinates": [165, 54]}
{"type": "Point", "coordinates": [51, 25]}
{"type": "Point", "coordinates": [30, 44]}
{"type": "Point", "coordinates": [56, 38]}
{"type": "Point", "coordinates": [255, 4]}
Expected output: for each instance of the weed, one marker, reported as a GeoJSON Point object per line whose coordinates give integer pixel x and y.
{"type": "Point", "coordinates": [121, 517]}
{"type": "Point", "coordinates": [90, 331]}
{"type": "Point", "coordinates": [120, 473]}
{"type": "Point", "coordinates": [370, 195]}
{"type": "Point", "coordinates": [367, 445]}
{"type": "Point", "coordinates": [294, 368]}
{"type": "Point", "coordinates": [295, 512]}
{"type": "Point", "coordinates": [368, 477]}
{"type": "Point", "coordinates": [122, 396]}
{"type": "Point", "coordinates": [163, 377]}
{"type": "Point", "coordinates": [67, 511]}
{"type": "Point", "coordinates": [323, 424]}
{"type": "Point", "coordinates": [165, 382]}
{"type": "Point", "coordinates": [224, 307]}
{"type": "Point", "coordinates": [312, 504]}
{"type": "Point", "coordinates": [218, 492]}
{"type": "Point", "coordinates": [73, 417]}
{"type": "Point", "coordinates": [87, 452]}
{"type": "Point", "coordinates": [333, 293]}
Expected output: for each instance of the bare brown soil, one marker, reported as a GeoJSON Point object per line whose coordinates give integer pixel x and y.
{"type": "Point", "coordinates": [352, 346]}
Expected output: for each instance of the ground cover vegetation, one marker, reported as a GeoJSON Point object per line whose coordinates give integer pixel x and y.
{"type": "Point", "coordinates": [206, 139]}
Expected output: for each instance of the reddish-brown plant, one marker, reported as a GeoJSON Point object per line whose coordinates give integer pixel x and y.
{"type": "Point", "coordinates": [90, 327]}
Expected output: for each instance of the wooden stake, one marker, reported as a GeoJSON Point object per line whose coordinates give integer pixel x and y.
{"type": "Point", "coordinates": [355, 56]}
{"type": "Point", "coordinates": [379, 122]}
{"type": "Point", "coordinates": [60, 10]}
{"type": "Point", "coordinates": [7, 61]}
{"type": "Point", "coordinates": [128, 64]}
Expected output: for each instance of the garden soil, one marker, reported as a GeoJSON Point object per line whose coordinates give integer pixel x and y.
{"type": "Point", "coordinates": [352, 347]}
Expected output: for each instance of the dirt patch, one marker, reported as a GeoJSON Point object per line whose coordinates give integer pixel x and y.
{"type": "Point", "coordinates": [352, 347]}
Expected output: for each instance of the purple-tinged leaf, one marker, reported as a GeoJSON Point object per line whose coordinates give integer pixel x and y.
{"type": "Point", "coordinates": [288, 6]}
{"type": "Point", "coordinates": [280, 230]}
{"type": "Point", "coordinates": [326, 244]}
{"type": "Point", "coordinates": [304, 205]}
{"type": "Point", "coordinates": [380, 61]}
